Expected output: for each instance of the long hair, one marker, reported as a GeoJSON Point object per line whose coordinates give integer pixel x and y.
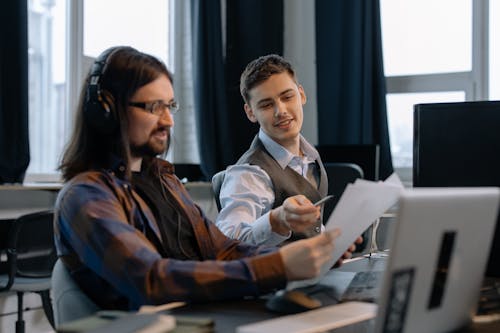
{"type": "Point", "coordinates": [126, 71]}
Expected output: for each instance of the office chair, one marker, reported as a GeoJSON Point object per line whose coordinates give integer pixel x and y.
{"type": "Point", "coordinates": [366, 156]}
{"type": "Point", "coordinates": [339, 176]}
{"type": "Point", "coordinates": [69, 301]}
{"type": "Point", "coordinates": [30, 254]}
{"type": "Point", "coordinates": [217, 181]}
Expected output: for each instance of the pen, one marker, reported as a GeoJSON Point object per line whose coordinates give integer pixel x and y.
{"type": "Point", "coordinates": [325, 199]}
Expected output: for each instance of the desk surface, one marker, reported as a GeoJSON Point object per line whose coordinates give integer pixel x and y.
{"type": "Point", "coordinates": [231, 314]}
{"type": "Point", "coordinates": [32, 186]}
{"type": "Point", "coordinates": [11, 214]}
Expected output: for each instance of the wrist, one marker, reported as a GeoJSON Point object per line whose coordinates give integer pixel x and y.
{"type": "Point", "coordinates": [278, 225]}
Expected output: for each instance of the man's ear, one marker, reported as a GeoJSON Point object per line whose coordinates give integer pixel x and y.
{"type": "Point", "coordinates": [303, 96]}
{"type": "Point", "coordinates": [250, 114]}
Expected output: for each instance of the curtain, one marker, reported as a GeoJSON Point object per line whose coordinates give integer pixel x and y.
{"type": "Point", "coordinates": [350, 76]}
{"type": "Point", "coordinates": [209, 85]}
{"type": "Point", "coordinates": [14, 140]}
{"type": "Point", "coordinates": [253, 28]}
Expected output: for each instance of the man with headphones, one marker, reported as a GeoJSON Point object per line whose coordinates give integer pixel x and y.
{"type": "Point", "coordinates": [125, 226]}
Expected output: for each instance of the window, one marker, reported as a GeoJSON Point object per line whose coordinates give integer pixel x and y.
{"type": "Point", "coordinates": [69, 35]}
{"type": "Point", "coordinates": [47, 83]}
{"type": "Point", "coordinates": [434, 51]}
{"type": "Point", "coordinates": [494, 32]}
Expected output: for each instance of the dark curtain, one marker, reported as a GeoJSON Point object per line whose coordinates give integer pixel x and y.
{"type": "Point", "coordinates": [14, 140]}
{"type": "Point", "coordinates": [350, 76]}
{"type": "Point", "coordinates": [209, 85]}
{"type": "Point", "coordinates": [253, 28]}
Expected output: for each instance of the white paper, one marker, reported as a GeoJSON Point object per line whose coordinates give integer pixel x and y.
{"type": "Point", "coordinates": [361, 204]}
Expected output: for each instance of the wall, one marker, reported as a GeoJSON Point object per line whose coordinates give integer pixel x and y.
{"type": "Point", "coordinates": [300, 49]}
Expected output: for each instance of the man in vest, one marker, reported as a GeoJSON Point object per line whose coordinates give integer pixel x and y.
{"type": "Point", "coordinates": [267, 196]}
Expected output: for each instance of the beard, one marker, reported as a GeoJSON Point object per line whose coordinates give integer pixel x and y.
{"type": "Point", "coordinates": [151, 148]}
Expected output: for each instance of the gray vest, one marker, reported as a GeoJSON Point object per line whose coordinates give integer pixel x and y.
{"type": "Point", "coordinates": [286, 182]}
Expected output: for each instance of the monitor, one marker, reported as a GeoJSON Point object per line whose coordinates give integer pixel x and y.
{"type": "Point", "coordinates": [458, 144]}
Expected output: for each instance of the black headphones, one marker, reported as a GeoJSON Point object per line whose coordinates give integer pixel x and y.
{"type": "Point", "coordinates": [99, 108]}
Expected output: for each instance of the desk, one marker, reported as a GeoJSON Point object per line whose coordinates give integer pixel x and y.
{"type": "Point", "coordinates": [231, 314]}
{"type": "Point", "coordinates": [17, 199]}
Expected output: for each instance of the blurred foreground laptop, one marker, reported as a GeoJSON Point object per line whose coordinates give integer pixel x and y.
{"type": "Point", "coordinates": [434, 272]}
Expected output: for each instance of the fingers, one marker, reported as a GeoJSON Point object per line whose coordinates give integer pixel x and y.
{"type": "Point", "coordinates": [299, 204]}
{"type": "Point", "coordinates": [299, 213]}
{"type": "Point", "coordinates": [331, 235]}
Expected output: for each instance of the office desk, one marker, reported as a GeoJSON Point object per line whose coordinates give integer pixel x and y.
{"type": "Point", "coordinates": [17, 199]}
{"type": "Point", "coordinates": [231, 314]}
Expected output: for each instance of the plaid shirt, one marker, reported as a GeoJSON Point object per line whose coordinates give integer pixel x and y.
{"type": "Point", "coordinates": [100, 234]}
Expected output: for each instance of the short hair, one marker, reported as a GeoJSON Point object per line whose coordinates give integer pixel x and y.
{"type": "Point", "coordinates": [127, 70]}
{"type": "Point", "coordinates": [261, 69]}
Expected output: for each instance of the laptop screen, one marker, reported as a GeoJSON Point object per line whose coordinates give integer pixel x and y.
{"type": "Point", "coordinates": [437, 260]}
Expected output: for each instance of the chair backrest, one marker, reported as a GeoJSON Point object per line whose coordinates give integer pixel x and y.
{"type": "Point", "coordinates": [217, 181]}
{"type": "Point", "coordinates": [68, 300]}
{"type": "Point", "coordinates": [32, 236]}
{"type": "Point", "coordinates": [367, 156]}
{"type": "Point", "coordinates": [30, 249]}
{"type": "Point", "coordinates": [339, 176]}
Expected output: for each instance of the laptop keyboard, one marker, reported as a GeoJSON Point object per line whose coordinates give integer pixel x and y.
{"type": "Point", "coordinates": [365, 286]}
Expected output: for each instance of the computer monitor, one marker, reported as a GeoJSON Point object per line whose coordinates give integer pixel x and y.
{"type": "Point", "coordinates": [458, 144]}
{"type": "Point", "coordinates": [367, 156]}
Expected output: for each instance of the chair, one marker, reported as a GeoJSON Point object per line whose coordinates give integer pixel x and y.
{"type": "Point", "coordinates": [30, 254]}
{"type": "Point", "coordinates": [366, 156]}
{"type": "Point", "coordinates": [339, 176]}
{"type": "Point", "coordinates": [69, 301]}
{"type": "Point", "coordinates": [217, 181]}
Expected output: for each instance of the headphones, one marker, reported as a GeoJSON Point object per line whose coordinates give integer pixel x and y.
{"type": "Point", "coordinates": [99, 108]}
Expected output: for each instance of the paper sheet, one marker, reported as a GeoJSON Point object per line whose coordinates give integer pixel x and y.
{"type": "Point", "coordinates": [360, 205]}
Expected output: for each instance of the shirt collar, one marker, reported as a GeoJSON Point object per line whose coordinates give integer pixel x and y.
{"type": "Point", "coordinates": [282, 155]}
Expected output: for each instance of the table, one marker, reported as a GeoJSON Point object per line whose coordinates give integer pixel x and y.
{"type": "Point", "coordinates": [229, 315]}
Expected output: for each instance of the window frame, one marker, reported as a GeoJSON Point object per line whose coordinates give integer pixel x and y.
{"type": "Point", "coordinates": [475, 82]}
{"type": "Point", "coordinates": [77, 66]}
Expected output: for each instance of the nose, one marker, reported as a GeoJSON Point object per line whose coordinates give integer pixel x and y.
{"type": "Point", "coordinates": [167, 118]}
{"type": "Point", "coordinates": [279, 109]}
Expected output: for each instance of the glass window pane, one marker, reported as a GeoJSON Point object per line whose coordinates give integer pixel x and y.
{"type": "Point", "coordinates": [400, 119]}
{"type": "Point", "coordinates": [426, 36]}
{"type": "Point", "coordinates": [146, 29]}
{"type": "Point", "coordinates": [494, 49]}
{"type": "Point", "coordinates": [47, 83]}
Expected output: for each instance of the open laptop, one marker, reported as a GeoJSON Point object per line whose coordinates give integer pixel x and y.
{"type": "Point", "coordinates": [434, 272]}
{"type": "Point", "coordinates": [438, 258]}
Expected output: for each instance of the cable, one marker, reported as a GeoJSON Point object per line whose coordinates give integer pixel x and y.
{"type": "Point", "coordinates": [179, 217]}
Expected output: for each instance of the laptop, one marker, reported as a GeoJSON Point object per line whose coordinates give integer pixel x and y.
{"type": "Point", "coordinates": [438, 258]}
{"type": "Point", "coordinates": [431, 283]}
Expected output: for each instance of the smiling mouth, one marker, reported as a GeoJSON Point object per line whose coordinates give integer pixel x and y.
{"type": "Point", "coordinates": [283, 123]}
{"type": "Point", "coordinates": [161, 132]}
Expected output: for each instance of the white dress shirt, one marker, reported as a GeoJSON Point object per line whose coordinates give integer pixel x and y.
{"type": "Point", "coordinates": [247, 194]}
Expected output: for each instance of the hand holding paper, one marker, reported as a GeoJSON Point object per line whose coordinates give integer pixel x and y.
{"type": "Point", "coordinates": [360, 205]}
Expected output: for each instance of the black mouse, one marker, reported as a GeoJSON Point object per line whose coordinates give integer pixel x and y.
{"type": "Point", "coordinates": [292, 301]}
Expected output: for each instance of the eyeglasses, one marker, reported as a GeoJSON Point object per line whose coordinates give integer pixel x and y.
{"type": "Point", "coordinates": [157, 107]}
